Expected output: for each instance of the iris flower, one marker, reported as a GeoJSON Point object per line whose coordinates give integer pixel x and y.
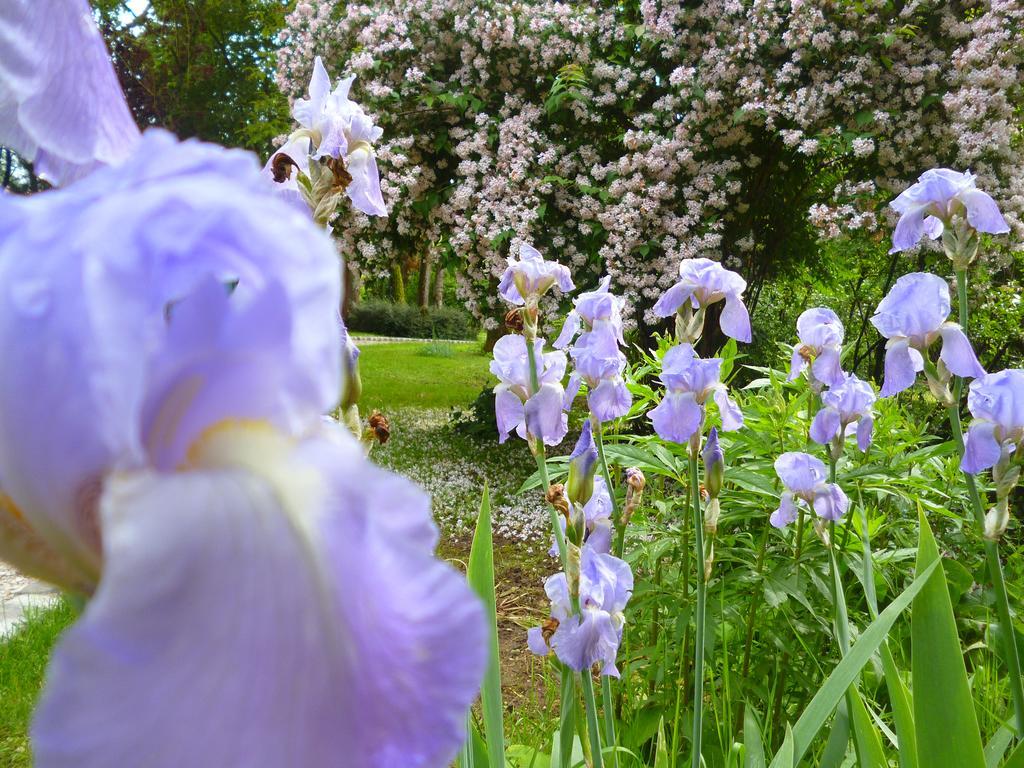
{"type": "Point", "coordinates": [597, 310]}
{"type": "Point", "coordinates": [341, 130]}
{"type": "Point", "coordinates": [599, 363]}
{"type": "Point", "coordinates": [821, 336]}
{"type": "Point", "coordinates": [61, 107]}
{"type": "Point", "coordinates": [851, 402]}
{"type": "Point", "coordinates": [530, 276]}
{"type": "Point", "coordinates": [996, 402]}
{"type": "Point", "coordinates": [804, 477]}
{"type": "Point", "coordinates": [912, 317]}
{"type": "Point", "coordinates": [704, 282]}
{"type": "Point", "coordinates": [690, 381]}
{"type": "Point", "coordinates": [532, 415]}
{"type": "Point", "coordinates": [259, 594]}
{"type": "Point", "coordinates": [928, 207]}
{"type": "Point", "coordinates": [593, 635]}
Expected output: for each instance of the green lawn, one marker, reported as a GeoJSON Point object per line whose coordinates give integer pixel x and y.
{"type": "Point", "coordinates": [422, 375]}
{"type": "Point", "coordinates": [23, 658]}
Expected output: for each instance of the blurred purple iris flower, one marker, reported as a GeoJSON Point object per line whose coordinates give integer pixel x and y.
{"type": "Point", "coordinates": [913, 317]}
{"type": "Point", "coordinates": [173, 343]}
{"type": "Point", "coordinates": [690, 381]}
{"type": "Point", "coordinates": [821, 336]}
{"type": "Point", "coordinates": [538, 415]}
{"type": "Point", "coordinates": [339, 128]}
{"type": "Point", "coordinates": [851, 402]}
{"type": "Point", "coordinates": [592, 636]}
{"type": "Point", "coordinates": [61, 107]}
{"type": "Point", "coordinates": [804, 477]}
{"type": "Point", "coordinates": [703, 282]}
{"type": "Point", "coordinates": [928, 206]}
{"type": "Point", "coordinates": [996, 401]}
{"type": "Point", "coordinates": [530, 276]}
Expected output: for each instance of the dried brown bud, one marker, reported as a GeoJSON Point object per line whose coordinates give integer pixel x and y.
{"type": "Point", "coordinates": [547, 629]}
{"type": "Point", "coordinates": [281, 167]}
{"type": "Point", "coordinates": [380, 426]}
{"type": "Point", "coordinates": [514, 321]}
{"type": "Point", "coordinates": [806, 353]}
{"type": "Point", "coordinates": [556, 498]}
{"type": "Point", "coordinates": [342, 178]}
{"type": "Point", "coordinates": [635, 479]}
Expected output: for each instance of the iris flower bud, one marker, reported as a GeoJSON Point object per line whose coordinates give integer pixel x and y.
{"type": "Point", "coordinates": [714, 464]}
{"type": "Point", "coordinates": [582, 466]}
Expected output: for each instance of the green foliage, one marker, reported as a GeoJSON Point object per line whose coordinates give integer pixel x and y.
{"type": "Point", "coordinates": [201, 68]}
{"type": "Point", "coordinates": [404, 320]}
{"type": "Point", "coordinates": [23, 659]}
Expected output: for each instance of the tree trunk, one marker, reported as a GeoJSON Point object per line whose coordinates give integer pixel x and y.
{"type": "Point", "coordinates": [351, 285]}
{"type": "Point", "coordinates": [423, 288]}
{"type": "Point", "coordinates": [397, 283]}
{"type": "Point", "coordinates": [438, 285]}
{"type": "Point", "coordinates": [492, 337]}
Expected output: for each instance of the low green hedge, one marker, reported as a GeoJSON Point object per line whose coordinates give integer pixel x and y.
{"type": "Point", "coordinates": [390, 319]}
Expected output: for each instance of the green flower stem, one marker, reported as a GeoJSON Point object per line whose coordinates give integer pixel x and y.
{"type": "Point", "coordinates": [620, 533]}
{"type": "Point", "coordinates": [609, 717]}
{"type": "Point", "coordinates": [995, 567]}
{"type": "Point", "coordinates": [698, 661]}
{"type": "Point", "coordinates": [587, 684]}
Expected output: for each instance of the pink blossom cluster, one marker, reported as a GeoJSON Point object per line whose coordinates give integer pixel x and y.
{"type": "Point", "coordinates": [623, 142]}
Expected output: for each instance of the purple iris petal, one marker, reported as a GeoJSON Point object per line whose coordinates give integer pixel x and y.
{"type": "Point", "coordinates": [825, 425]}
{"type": "Point", "coordinates": [981, 448]}
{"type": "Point", "coordinates": [535, 641]}
{"type": "Point", "coordinates": [297, 152]}
{"type": "Point", "coordinates": [671, 300]}
{"type": "Point", "coordinates": [61, 106]}
{"type": "Point", "coordinates": [830, 503]}
{"type": "Point", "coordinates": [996, 401]}
{"type": "Point", "coordinates": [335, 597]}
{"type": "Point", "coordinates": [865, 427]}
{"type": "Point", "coordinates": [364, 189]}
{"type": "Point", "coordinates": [800, 472]}
{"type": "Point", "coordinates": [827, 368]}
{"type": "Point", "coordinates": [957, 353]}
{"type": "Point", "coordinates": [983, 213]}
{"type": "Point", "coordinates": [677, 417]}
{"type": "Point", "coordinates": [569, 330]}
{"type": "Point", "coordinates": [797, 363]}
{"type": "Point", "coordinates": [510, 413]}
{"type": "Point", "coordinates": [544, 416]}
{"type": "Point", "coordinates": [786, 513]}
{"type": "Point", "coordinates": [610, 399]}
{"type": "Point", "coordinates": [735, 320]}
{"type": "Point", "coordinates": [732, 416]}
{"type": "Point", "coordinates": [902, 364]}
{"type": "Point", "coordinates": [917, 305]}
{"type": "Point", "coordinates": [571, 390]}
{"type": "Point", "coordinates": [85, 324]}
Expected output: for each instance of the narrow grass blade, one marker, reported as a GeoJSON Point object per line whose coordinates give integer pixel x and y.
{"type": "Point", "coordinates": [481, 579]}
{"type": "Point", "coordinates": [870, 753]}
{"type": "Point", "coordinates": [608, 705]}
{"type": "Point", "coordinates": [753, 742]}
{"type": "Point", "coordinates": [845, 672]}
{"type": "Point", "coordinates": [838, 743]}
{"type": "Point", "coordinates": [944, 716]}
{"type": "Point", "coordinates": [996, 747]}
{"type": "Point", "coordinates": [593, 727]}
{"type": "Point", "coordinates": [466, 753]}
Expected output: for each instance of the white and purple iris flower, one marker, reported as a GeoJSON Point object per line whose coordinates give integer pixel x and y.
{"type": "Point", "coordinates": [928, 206]}
{"type": "Point", "coordinates": [821, 337]}
{"type": "Point", "coordinates": [531, 415]}
{"type": "Point", "coordinates": [996, 402]}
{"type": "Point", "coordinates": [530, 276]}
{"type": "Point", "coordinates": [61, 107]}
{"type": "Point", "coordinates": [690, 381]}
{"type": "Point", "coordinates": [284, 167]}
{"type": "Point", "coordinates": [592, 636]}
{"type": "Point", "coordinates": [913, 317]}
{"type": "Point", "coordinates": [704, 282]}
{"type": "Point", "coordinates": [843, 406]}
{"type": "Point", "coordinates": [339, 128]}
{"type": "Point", "coordinates": [804, 477]}
{"type": "Point", "coordinates": [172, 345]}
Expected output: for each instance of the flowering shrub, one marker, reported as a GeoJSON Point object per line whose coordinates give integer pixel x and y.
{"type": "Point", "coordinates": [626, 137]}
